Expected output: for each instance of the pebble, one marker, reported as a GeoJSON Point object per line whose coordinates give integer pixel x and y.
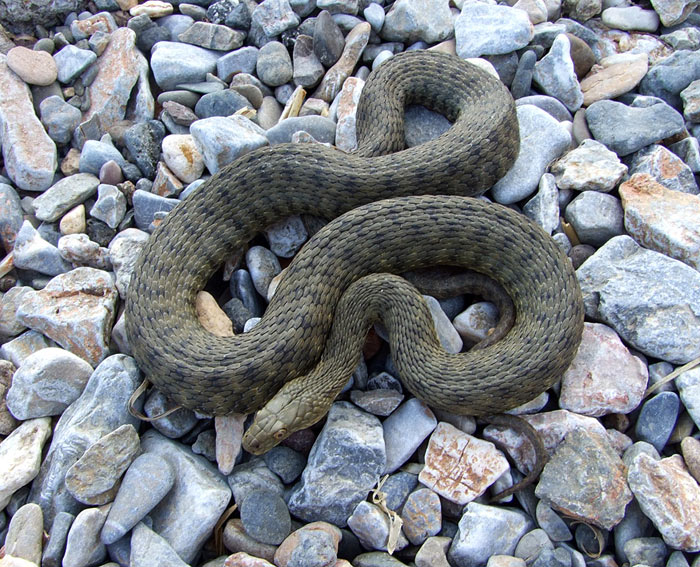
{"type": "Point", "coordinates": [46, 383]}
{"type": "Point", "coordinates": [174, 425]}
{"type": "Point", "coordinates": [111, 173]}
{"type": "Point", "coordinates": [585, 478]}
{"type": "Point", "coordinates": [433, 553]}
{"type": "Point", "coordinates": [79, 250]}
{"type": "Point", "coordinates": [322, 129]}
{"type": "Point", "coordinates": [285, 462]}
{"type": "Point", "coordinates": [614, 76]}
{"type": "Point", "coordinates": [100, 409]}
{"type": "Point", "coordinates": [64, 195]}
{"type": "Point", "coordinates": [263, 266]}
{"type": "Point", "coordinates": [672, 12]}
{"type": "Point", "coordinates": [549, 104]}
{"type": "Point", "coordinates": [421, 515]}
{"type": "Point", "coordinates": [604, 377]}
{"type": "Point", "coordinates": [691, 455]}
{"type": "Point", "coordinates": [661, 219]}
{"type": "Point", "coordinates": [410, 21]}
{"type": "Point", "coordinates": [451, 473]}
{"type": "Point", "coordinates": [196, 501]}
{"type": "Point", "coordinates": [380, 402]}
{"type": "Point", "coordinates": [596, 217]}
{"type": "Point", "coordinates": [147, 206]}
{"type": "Point", "coordinates": [646, 551]}
{"type": "Point", "coordinates": [371, 526]}
{"type": "Point", "coordinates": [308, 69]}
{"type": "Point", "coordinates": [645, 296]}
{"type": "Point", "coordinates": [274, 65]}
{"type": "Point", "coordinates": [96, 153]}
{"type": "Point", "coordinates": [287, 236]}
{"type": "Point", "coordinates": [608, 120]}
{"type": "Point", "coordinates": [71, 61]}
{"type": "Point", "coordinates": [221, 103]}
{"type": "Point", "coordinates": [75, 309]}
{"type": "Point", "coordinates": [150, 548]}
{"type": "Point", "coordinates": [657, 419]}
{"type": "Point", "coordinates": [11, 218]}
{"type": "Point", "coordinates": [332, 82]}
{"type": "Point", "coordinates": [83, 546]}
{"type": "Point", "coordinates": [147, 480]}
{"type": "Point", "coordinates": [32, 252]}
{"type": "Point", "coordinates": [32, 162]}
{"type": "Point", "coordinates": [236, 539]}
{"type": "Point", "coordinates": [401, 439]}
{"type": "Point", "coordinates": [265, 517]}
{"type": "Point", "coordinates": [689, 391]}
{"type": "Point", "coordinates": [485, 531]}
{"type": "Point", "coordinates": [542, 139]}
{"type": "Point", "coordinates": [24, 536]}
{"type": "Point", "coordinates": [20, 456]}
{"type": "Point", "coordinates": [630, 18]}
{"type": "Point", "coordinates": [669, 497]}
{"type": "Point", "coordinates": [243, 60]}
{"type": "Point", "coordinates": [32, 66]}
{"type": "Point", "coordinates": [9, 326]}
{"type": "Point", "coordinates": [212, 36]}
{"type": "Point", "coordinates": [175, 63]}
{"type": "Point", "coordinates": [522, 80]}
{"type": "Point", "coordinates": [375, 15]}
{"type": "Point", "coordinates": [55, 548]}
{"type": "Point", "coordinates": [555, 74]}
{"type": "Point", "coordinates": [143, 142]}
{"type": "Point", "coordinates": [222, 140]}
{"type": "Point", "coordinates": [110, 206]}
{"type": "Point", "coordinates": [274, 17]}
{"type": "Point", "coordinates": [667, 168]}
{"type": "Point", "coordinates": [474, 323]}
{"type": "Point", "coordinates": [329, 493]}
{"type": "Point", "coordinates": [94, 478]}
{"type": "Point", "coordinates": [19, 348]}
{"type": "Point", "coordinates": [121, 76]}
{"type": "Point", "coordinates": [590, 167]}
{"type": "Point", "coordinates": [670, 75]}
{"type": "Point", "coordinates": [484, 29]}
{"type": "Point", "coordinates": [253, 476]}
{"type": "Point", "coordinates": [313, 545]}
{"type": "Point", "coordinates": [543, 208]}
{"type": "Point", "coordinates": [328, 40]}
{"type": "Point", "coordinates": [124, 251]}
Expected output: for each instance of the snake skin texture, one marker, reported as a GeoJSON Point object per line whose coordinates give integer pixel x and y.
{"type": "Point", "coordinates": [222, 375]}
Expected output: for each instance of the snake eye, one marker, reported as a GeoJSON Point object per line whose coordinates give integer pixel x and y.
{"type": "Point", "coordinates": [280, 434]}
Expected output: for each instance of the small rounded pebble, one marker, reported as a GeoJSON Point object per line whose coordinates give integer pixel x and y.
{"type": "Point", "coordinates": [265, 517]}
{"type": "Point", "coordinates": [33, 67]}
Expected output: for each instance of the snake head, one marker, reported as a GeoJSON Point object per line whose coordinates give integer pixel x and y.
{"type": "Point", "coordinates": [273, 423]}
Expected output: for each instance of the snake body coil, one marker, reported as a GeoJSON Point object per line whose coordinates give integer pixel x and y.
{"type": "Point", "coordinates": [219, 376]}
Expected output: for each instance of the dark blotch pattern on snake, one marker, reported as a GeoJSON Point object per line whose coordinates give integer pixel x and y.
{"type": "Point", "coordinates": [218, 376]}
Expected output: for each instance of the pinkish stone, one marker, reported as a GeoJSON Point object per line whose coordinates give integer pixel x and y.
{"type": "Point", "coordinates": [28, 152]}
{"type": "Point", "coordinates": [460, 467]}
{"type": "Point", "coordinates": [102, 21]}
{"type": "Point", "coordinates": [345, 135]}
{"type": "Point", "coordinates": [669, 497]}
{"type": "Point", "coordinates": [661, 219]}
{"type": "Point", "coordinates": [120, 69]}
{"type": "Point", "coordinates": [604, 377]}
{"type": "Point", "coordinates": [76, 309]}
{"type": "Point", "coordinates": [242, 559]}
{"type": "Point", "coordinates": [229, 433]}
{"type": "Point", "coordinates": [32, 66]}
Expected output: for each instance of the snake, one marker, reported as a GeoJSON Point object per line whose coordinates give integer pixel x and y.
{"type": "Point", "coordinates": [393, 209]}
